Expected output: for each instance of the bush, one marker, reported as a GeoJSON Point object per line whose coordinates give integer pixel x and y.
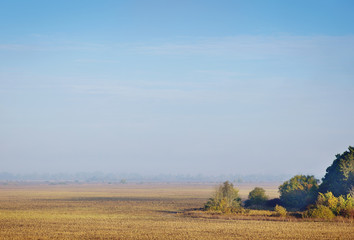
{"type": "Point", "coordinates": [299, 191]}
{"type": "Point", "coordinates": [280, 211]}
{"type": "Point", "coordinates": [320, 211]}
{"type": "Point", "coordinates": [225, 199]}
{"type": "Point", "coordinates": [339, 206]}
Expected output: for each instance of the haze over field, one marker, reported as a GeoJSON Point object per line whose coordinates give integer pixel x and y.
{"type": "Point", "coordinates": [177, 87]}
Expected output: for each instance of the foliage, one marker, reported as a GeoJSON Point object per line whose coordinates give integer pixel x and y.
{"type": "Point", "coordinates": [339, 178]}
{"type": "Point", "coordinates": [225, 199]}
{"type": "Point", "coordinates": [256, 198]}
{"type": "Point", "coordinates": [351, 192]}
{"type": "Point", "coordinates": [271, 203]}
{"type": "Point", "coordinates": [339, 206]}
{"type": "Point", "coordinates": [320, 211]}
{"type": "Point", "coordinates": [280, 211]}
{"type": "Point", "coordinates": [299, 191]}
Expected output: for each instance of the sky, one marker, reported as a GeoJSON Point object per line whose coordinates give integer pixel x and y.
{"type": "Point", "coordinates": [177, 87]}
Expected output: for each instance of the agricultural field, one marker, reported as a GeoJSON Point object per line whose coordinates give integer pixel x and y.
{"type": "Point", "coordinates": [141, 211]}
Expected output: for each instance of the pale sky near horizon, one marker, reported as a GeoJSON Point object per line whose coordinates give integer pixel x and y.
{"type": "Point", "coordinates": [181, 87]}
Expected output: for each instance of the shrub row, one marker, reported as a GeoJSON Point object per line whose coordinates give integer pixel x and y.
{"type": "Point", "coordinates": [328, 206]}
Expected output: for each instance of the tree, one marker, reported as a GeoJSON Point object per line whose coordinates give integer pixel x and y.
{"type": "Point", "coordinates": [256, 197]}
{"type": "Point", "coordinates": [339, 178]}
{"type": "Point", "coordinates": [225, 199]}
{"type": "Point", "coordinates": [299, 191]}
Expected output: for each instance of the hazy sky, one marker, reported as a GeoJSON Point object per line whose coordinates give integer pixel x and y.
{"type": "Point", "coordinates": [192, 87]}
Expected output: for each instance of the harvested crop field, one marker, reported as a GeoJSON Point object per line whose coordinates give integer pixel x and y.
{"type": "Point", "coordinates": [140, 211]}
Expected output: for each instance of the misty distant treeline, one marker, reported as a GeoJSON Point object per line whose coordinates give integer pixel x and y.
{"type": "Point", "coordinates": [132, 177]}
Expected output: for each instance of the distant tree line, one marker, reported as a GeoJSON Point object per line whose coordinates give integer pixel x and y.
{"type": "Point", "coordinates": [137, 178]}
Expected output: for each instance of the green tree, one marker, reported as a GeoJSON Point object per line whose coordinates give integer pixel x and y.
{"type": "Point", "coordinates": [339, 178]}
{"type": "Point", "coordinates": [299, 191]}
{"type": "Point", "coordinates": [225, 199]}
{"type": "Point", "coordinates": [257, 197]}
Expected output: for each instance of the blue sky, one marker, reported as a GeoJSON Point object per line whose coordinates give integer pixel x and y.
{"type": "Point", "coordinates": [193, 87]}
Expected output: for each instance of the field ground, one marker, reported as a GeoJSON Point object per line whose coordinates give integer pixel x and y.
{"type": "Point", "coordinates": [138, 211]}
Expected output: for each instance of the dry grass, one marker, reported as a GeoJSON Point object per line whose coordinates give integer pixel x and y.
{"type": "Point", "coordinates": [148, 211]}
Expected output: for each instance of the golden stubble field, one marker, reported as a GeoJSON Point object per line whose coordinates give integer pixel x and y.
{"type": "Point", "coordinates": [138, 211]}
